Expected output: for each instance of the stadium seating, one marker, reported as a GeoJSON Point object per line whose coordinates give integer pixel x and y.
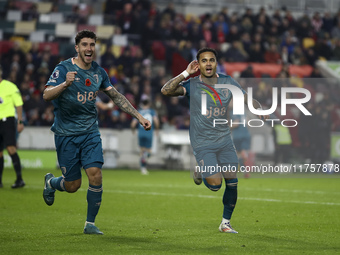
{"type": "Point", "coordinates": [105, 31]}
{"type": "Point", "coordinates": [44, 7]}
{"type": "Point", "coordinates": [7, 26]}
{"type": "Point", "coordinates": [88, 27]}
{"type": "Point", "coordinates": [96, 19]}
{"type": "Point", "coordinates": [53, 47]}
{"type": "Point", "coordinates": [65, 30]}
{"type": "Point", "coordinates": [65, 8]}
{"type": "Point", "coordinates": [24, 27]}
{"type": "Point", "coordinates": [121, 40]}
{"type": "Point", "coordinates": [37, 36]}
{"type": "Point", "coordinates": [14, 15]}
{"type": "Point", "coordinates": [23, 5]}
{"type": "Point", "coordinates": [48, 28]}
{"type": "Point", "coordinates": [54, 17]}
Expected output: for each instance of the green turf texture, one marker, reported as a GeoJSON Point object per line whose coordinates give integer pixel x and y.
{"type": "Point", "coordinates": [166, 213]}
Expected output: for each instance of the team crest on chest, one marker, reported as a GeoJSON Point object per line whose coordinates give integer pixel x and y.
{"type": "Point", "coordinates": [225, 92]}
{"type": "Point", "coordinates": [96, 78]}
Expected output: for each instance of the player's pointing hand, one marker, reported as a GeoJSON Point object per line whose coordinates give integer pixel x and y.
{"type": "Point", "coordinates": [70, 77]}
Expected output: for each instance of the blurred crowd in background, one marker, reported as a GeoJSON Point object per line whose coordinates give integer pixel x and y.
{"type": "Point", "coordinates": [162, 39]}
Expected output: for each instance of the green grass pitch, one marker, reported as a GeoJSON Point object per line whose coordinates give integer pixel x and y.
{"type": "Point", "coordinates": [166, 213]}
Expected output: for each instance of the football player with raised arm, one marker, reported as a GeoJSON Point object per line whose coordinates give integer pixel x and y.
{"type": "Point", "coordinates": [212, 144]}
{"type": "Point", "coordinates": [73, 87]}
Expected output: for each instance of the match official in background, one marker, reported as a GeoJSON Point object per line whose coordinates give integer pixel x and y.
{"type": "Point", "coordinates": [73, 87]}
{"type": "Point", "coordinates": [10, 104]}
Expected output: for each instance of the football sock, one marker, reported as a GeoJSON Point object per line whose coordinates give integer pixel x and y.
{"type": "Point", "coordinates": [1, 168]}
{"type": "Point", "coordinates": [94, 198]}
{"type": "Point", "coordinates": [58, 183]}
{"type": "Point", "coordinates": [225, 221]}
{"type": "Point", "coordinates": [212, 187]}
{"type": "Point", "coordinates": [143, 159]}
{"type": "Point", "coordinates": [229, 198]}
{"type": "Point", "coordinates": [142, 162]}
{"type": "Point", "coordinates": [17, 165]}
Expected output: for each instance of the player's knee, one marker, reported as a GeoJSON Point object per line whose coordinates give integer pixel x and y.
{"type": "Point", "coordinates": [96, 179]}
{"type": "Point", "coordinates": [72, 189]}
{"type": "Point", "coordinates": [95, 176]}
{"type": "Point", "coordinates": [11, 150]}
{"type": "Point", "coordinates": [213, 184]}
{"type": "Point", "coordinates": [72, 186]}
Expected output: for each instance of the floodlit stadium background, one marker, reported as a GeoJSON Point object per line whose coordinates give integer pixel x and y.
{"type": "Point", "coordinates": [142, 44]}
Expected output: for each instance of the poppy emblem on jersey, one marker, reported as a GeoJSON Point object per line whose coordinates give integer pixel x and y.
{"type": "Point", "coordinates": [87, 82]}
{"type": "Point", "coordinates": [215, 96]}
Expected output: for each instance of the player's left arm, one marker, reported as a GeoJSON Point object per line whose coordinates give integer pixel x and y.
{"type": "Point", "coordinates": [125, 105]}
{"type": "Point", "coordinates": [256, 105]}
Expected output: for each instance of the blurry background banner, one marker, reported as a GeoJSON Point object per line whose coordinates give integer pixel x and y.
{"type": "Point", "coordinates": [38, 159]}
{"type": "Point", "coordinates": [260, 69]}
{"type": "Point", "coordinates": [142, 44]}
{"type": "Point", "coordinates": [329, 68]}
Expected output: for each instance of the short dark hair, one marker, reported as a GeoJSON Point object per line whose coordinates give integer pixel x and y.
{"type": "Point", "coordinates": [206, 49]}
{"type": "Point", "coordinates": [85, 34]}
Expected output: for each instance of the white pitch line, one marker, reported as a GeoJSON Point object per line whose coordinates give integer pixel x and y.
{"type": "Point", "coordinates": [241, 188]}
{"type": "Point", "coordinates": [210, 196]}
{"type": "Point", "coordinates": [128, 192]}
{"type": "Point", "coordinates": [294, 191]}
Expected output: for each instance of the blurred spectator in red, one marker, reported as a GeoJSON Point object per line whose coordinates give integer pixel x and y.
{"type": "Point", "coordinates": [272, 55]}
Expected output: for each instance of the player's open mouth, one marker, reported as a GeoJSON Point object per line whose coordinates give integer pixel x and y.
{"type": "Point", "coordinates": [209, 70]}
{"type": "Point", "coordinates": [88, 55]}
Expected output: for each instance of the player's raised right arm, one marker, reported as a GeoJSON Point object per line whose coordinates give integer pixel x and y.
{"type": "Point", "coordinates": [172, 87]}
{"type": "Point", "coordinates": [52, 92]}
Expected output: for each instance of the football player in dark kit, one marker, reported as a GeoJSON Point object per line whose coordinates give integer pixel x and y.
{"type": "Point", "coordinates": [73, 87]}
